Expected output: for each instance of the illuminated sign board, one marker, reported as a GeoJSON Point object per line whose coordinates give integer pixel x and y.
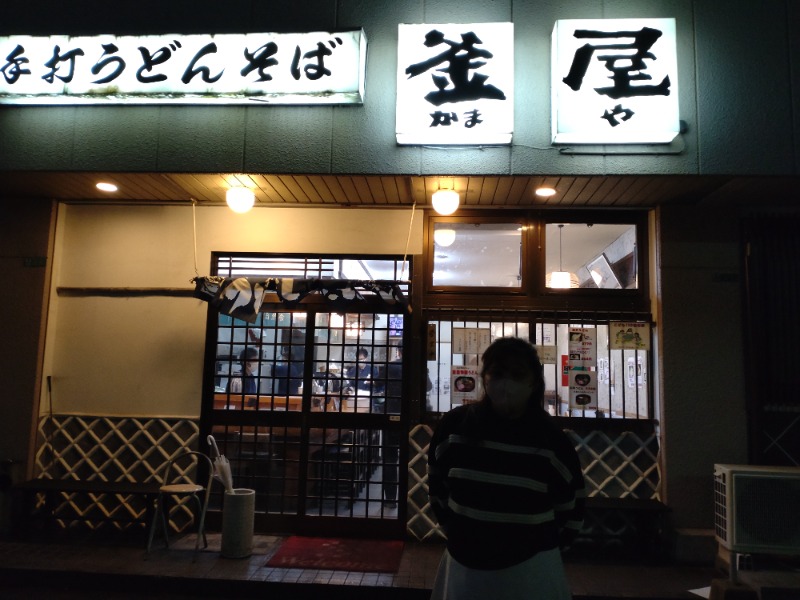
{"type": "Point", "coordinates": [276, 68]}
{"type": "Point", "coordinates": [455, 84]}
{"type": "Point", "coordinates": [614, 81]}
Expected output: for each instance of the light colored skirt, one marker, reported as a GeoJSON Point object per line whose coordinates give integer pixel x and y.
{"type": "Point", "coordinates": [539, 578]}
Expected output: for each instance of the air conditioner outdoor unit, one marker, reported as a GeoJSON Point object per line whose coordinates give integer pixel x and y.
{"type": "Point", "coordinates": [757, 509]}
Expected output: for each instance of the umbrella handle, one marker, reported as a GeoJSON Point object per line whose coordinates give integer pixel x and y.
{"type": "Point", "coordinates": [213, 443]}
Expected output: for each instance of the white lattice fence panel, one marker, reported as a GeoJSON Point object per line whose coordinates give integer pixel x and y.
{"type": "Point", "coordinates": [421, 523]}
{"type": "Point", "coordinates": [111, 449]}
{"type": "Point", "coordinates": [616, 466]}
{"type": "Point", "coordinates": [619, 465]}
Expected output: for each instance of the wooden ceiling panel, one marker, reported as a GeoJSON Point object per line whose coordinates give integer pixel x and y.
{"type": "Point", "coordinates": [473, 194]}
{"type": "Point", "coordinates": [348, 189]}
{"type": "Point", "coordinates": [363, 191]}
{"type": "Point", "coordinates": [335, 189]}
{"type": "Point", "coordinates": [573, 187]}
{"type": "Point", "coordinates": [376, 195]}
{"type": "Point", "coordinates": [502, 191]}
{"type": "Point", "coordinates": [487, 192]}
{"type": "Point", "coordinates": [391, 191]}
{"type": "Point", "coordinates": [284, 192]}
{"type": "Point", "coordinates": [310, 191]}
{"type": "Point", "coordinates": [632, 192]}
{"type": "Point", "coordinates": [386, 191]}
{"type": "Point", "coordinates": [264, 191]}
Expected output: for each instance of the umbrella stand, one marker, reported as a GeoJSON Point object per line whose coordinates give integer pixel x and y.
{"type": "Point", "coordinates": [238, 511]}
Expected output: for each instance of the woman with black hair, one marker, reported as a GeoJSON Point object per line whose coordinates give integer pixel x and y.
{"type": "Point", "coordinates": [506, 486]}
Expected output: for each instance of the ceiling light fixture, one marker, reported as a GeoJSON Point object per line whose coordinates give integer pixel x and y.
{"type": "Point", "coordinates": [240, 199]}
{"type": "Point", "coordinates": [445, 202]}
{"type": "Point", "coordinates": [106, 187]}
{"type": "Point", "coordinates": [545, 192]}
{"type": "Point", "coordinates": [561, 279]}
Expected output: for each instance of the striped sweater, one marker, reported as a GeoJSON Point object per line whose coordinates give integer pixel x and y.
{"type": "Point", "coordinates": [501, 489]}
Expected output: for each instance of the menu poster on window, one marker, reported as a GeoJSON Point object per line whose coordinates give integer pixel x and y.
{"type": "Point", "coordinates": [583, 389]}
{"type": "Point", "coordinates": [629, 336]}
{"type": "Point", "coordinates": [635, 372]}
{"type": "Point", "coordinates": [471, 341]}
{"type": "Point", "coordinates": [464, 387]}
{"type": "Point", "coordinates": [582, 348]}
{"type": "Point", "coordinates": [548, 355]}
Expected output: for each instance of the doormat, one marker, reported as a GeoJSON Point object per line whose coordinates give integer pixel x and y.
{"type": "Point", "coordinates": [339, 554]}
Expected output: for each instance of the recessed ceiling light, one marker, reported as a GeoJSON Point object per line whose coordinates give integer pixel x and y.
{"type": "Point", "coordinates": [545, 192]}
{"type": "Point", "coordinates": [106, 187]}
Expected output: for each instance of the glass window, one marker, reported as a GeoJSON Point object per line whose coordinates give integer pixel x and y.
{"type": "Point", "coordinates": [620, 377]}
{"type": "Point", "coordinates": [586, 255]}
{"type": "Point", "coordinates": [454, 375]}
{"type": "Point", "coordinates": [477, 254]}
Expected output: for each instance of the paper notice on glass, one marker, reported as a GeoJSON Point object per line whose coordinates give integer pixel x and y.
{"type": "Point", "coordinates": [583, 389]}
{"type": "Point", "coordinates": [629, 336]}
{"type": "Point", "coordinates": [548, 355]}
{"type": "Point", "coordinates": [582, 348]}
{"type": "Point", "coordinates": [471, 341]}
{"type": "Point", "coordinates": [464, 384]}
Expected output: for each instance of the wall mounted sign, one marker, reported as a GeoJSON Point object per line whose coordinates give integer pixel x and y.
{"type": "Point", "coordinates": [614, 81]}
{"type": "Point", "coordinates": [582, 348]}
{"type": "Point", "coordinates": [629, 336]}
{"type": "Point", "coordinates": [465, 385]}
{"type": "Point", "coordinates": [471, 340]}
{"type": "Point", "coordinates": [455, 84]}
{"type": "Point", "coordinates": [277, 68]}
{"type": "Point", "coordinates": [583, 389]}
{"type": "Point", "coordinates": [548, 355]}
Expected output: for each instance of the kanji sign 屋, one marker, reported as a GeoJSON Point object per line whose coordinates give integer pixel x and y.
{"type": "Point", "coordinates": [455, 84]}
{"type": "Point", "coordinates": [614, 81]}
{"type": "Point", "coordinates": [301, 68]}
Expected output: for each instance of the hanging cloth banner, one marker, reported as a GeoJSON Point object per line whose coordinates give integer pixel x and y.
{"type": "Point", "coordinates": [242, 297]}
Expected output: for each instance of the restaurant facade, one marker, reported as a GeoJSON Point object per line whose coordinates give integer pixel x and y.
{"type": "Point", "coordinates": [126, 340]}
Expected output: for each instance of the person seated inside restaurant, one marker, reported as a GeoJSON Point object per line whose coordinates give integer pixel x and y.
{"type": "Point", "coordinates": [246, 381]}
{"type": "Point", "coordinates": [363, 375]}
{"type": "Point", "coordinates": [287, 375]}
{"type": "Point", "coordinates": [326, 379]}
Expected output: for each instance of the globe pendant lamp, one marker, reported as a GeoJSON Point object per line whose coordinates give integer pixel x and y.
{"type": "Point", "coordinates": [240, 199]}
{"type": "Point", "coordinates": [445, 202]}
{"type": "Point", "coordinates": [561, 279]}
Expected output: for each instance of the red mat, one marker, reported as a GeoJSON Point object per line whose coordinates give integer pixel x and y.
{"type": "Point", "coordinates": [340, 554]}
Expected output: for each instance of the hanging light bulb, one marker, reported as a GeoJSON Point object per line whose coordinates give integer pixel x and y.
{"type": "Point", "coordinates": [445, 202]}
{"type": "Point", "coordinates": [561, 279]}
{"type": "Point", "coordinates": [240, 199]}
